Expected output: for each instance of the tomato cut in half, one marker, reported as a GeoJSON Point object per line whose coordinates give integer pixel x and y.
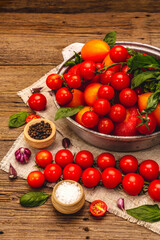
{"type": "Point", "coordinates": [98, 208]}
{"type": "Point", "coordinates": [32, 117]}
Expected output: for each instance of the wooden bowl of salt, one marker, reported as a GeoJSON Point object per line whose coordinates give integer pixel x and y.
{"type": "Point", "coordinates": [68, 197]}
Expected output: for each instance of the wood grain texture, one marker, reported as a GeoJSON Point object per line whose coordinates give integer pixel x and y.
{"type": "Point", "coordinates": [31, 45]}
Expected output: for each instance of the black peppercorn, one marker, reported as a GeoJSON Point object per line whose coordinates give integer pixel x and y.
{"type": "Point", "coordinates": [40, 130]}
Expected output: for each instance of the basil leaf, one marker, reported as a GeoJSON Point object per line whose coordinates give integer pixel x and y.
{"type": "Point", "coordinates": [34, 199]}
{"type": "Point", "coordinates": [110, 38]}
{"type": "Point", "coordinates": [67, 112]}
{"type": "Point", "coordinates": [142, 77]}
{"type": "Point", "coordinates": [77, 60]}
{"type": "Point", "coordinates": [131, 51]}
{"type": "Point", "coordinates": [70, 63]}
{"type": "Point", "coordinates": [147, 213]}
{"type": "Point", "coordinates": [17, 119]}
{"type": "Point", "coordinates": [152, 102]}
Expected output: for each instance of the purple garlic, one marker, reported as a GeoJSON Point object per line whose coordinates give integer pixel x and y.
{"type": "Point", "coordinates": [120, 203]}
{"type": "Point", "coordinates": [66, 142]}
{"type": "Point", "coordinates": [22, 155]}
{"type": "Point", "coordinates": [12, 172]}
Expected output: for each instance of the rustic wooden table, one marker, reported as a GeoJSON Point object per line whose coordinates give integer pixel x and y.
{"type": "Point", "coordinates": [33, 33]}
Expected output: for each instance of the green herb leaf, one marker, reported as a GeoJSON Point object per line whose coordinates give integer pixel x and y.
{"type": "Point", "coordinates": [152, 102]}
{"type": "Point", "coordinates": [110, 38]}
{"type": "Point", "coordinates": [147, 213]}
{"type": "Point", "coordinates": [34, 199]}
{"type": "Point", "coordinates": [70, 63]}
{"type": "Point", "coordinates": [131, 51]}
{"type": "Point", "coordinates": [142, 77]}
{"type": "Point", "coordinates": [18, 119]}
{"type": "Point", "coordinates": [67, 112]}
{"type": "Point", "coordinates": [77, 60]}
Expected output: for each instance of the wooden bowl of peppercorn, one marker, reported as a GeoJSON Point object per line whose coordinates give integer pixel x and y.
{"type": "Point", "coordinates": [40, 133]}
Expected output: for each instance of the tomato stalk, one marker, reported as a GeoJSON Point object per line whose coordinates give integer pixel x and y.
{"type": "Point", "coordinates": [102, 70]}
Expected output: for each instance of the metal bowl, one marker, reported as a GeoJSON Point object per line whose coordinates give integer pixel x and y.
{"type": "Point", "coordinates": [117, 143]}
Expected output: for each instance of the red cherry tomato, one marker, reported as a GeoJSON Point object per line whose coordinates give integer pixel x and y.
{"type": "Point", "coordinates": [120, 81]}
{"type": "Point", "coordinates": [101, 106]}
{"type": "Point", "coordinates": [90, 119]}
{"type": "Point", "coordinates": [35, 179]}
{"type": "Point", "coordinates": [52, 172]}
{"type": "Point", "coordinates": [151, 124]}
{"type": "Point", "coordinates": [128, 164]}
{"type": "Point", "coordinates": [75, 69]}
{"type": "Point", "coordinates": [128, 97]}
{"type": "Point", "coordinates": [63, 96]}
{"type": "Point", "coordinates": [99, 66]}
{"type": "Point", "coordinates": [98, 208]}
{"type": "Point", "coordinates": [43, 158]}
{"type": "Point", "coordinates": [63, 157]}
{"type": "Point", "coordinates": [139, 90]}
{"type": "Point", "coordinates": [117, 113]}
{"type": "Point", "coordinates": [154, 190]}
{"type": "Point", "coordinates": [37, 101]}
{"type": "Point", "coordinates": [149, 170]}
{"type": "Point", "coordinates": [91, 177]}
{"type": "Point", "coordinates": [54, 81]}
{"type": "Point", "coordinates": [118, 54]}
{"type": "Point", "coordinates": [132, 183]}
{"type": "Point", "coordinates": [72, 172]}
{"type": "Point", "coordinates": [74, 81]}
{"type": "Point", "coordinates": [106, 160]}
{"type": "Point", "coordinates": [84, 159]}
{"type": "Point", "coordinates": [111, 177]}
{"type": "Point", "coordinates": [105, 125]}
{"type": "Point", "coordinates": [106, 92]}
{"type": "Point", "coordinates": [32, 117]}
{"type": "Point", "coordinates": [66, 76]}
{"type": "Point", "coordinates": [125, 68]}
{"type": "Point", "coordinates": [87, 70]}
{"type": "Point", "coordinates": [106, 77]}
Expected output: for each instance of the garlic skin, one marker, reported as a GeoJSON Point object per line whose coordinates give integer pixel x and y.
{"type": "Point", "coordinates": [120, 204]}
{"type": "Point", "coordinates": [22, 155]}
{"type": "Point", "coordinates": [12, 172]}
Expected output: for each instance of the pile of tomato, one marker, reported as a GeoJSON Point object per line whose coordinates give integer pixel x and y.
{"type": "Point", "coordinates": [104, 172]}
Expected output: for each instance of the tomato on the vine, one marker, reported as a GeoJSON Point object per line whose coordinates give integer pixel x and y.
{"type": "Point", "coordinates": [35, 179]}
{"type": "Point", "coordinates": [90, 119]}
{"type": "Point", "coordinates": [37, 101]}
{"type": "Point", "coordinates": [101, 106]}
{"type": "Point", "coordinates": [99, 66]}
{"type": "Point", "coordinates": [151, 121]}
{"type": "Point", "coordinates": [106, 92]}
{"type": "Point", "coordinates": [118, 54]}
{"type": "Point", "coordinates": [105, 125]}
{"type": "Point", "coordinates": [154, 190]}
{"type": "Point", "coordinates": [149, 170]}
{"type": "Point", "coordinates": [128, 97]}
{"type": "Point", "coordinates": [43, 158]}
{"type": "Point", "coordinates": [98, 208]}
{"type": "Point", "coordinates": [132, 183]}
{"type": "Point", "coordinates": [63, 96]}
{"type": "Point", "coordinates": [106, 160]}
{"type": "Point", "coordinates": [54, 81]}
{"type": "Point", "coordinates": [106, 77]}
{"type": "Point", "coordinates": [91, 177]}
{"type": "Point", "coordinates": [52, 172]}
{"type": "Point", "coordinates": [111, 177]}
{"type": "Point", "coordinates": [63, 157]}
{"type": "Point", "coordinates": [74, 81]}
{"type": "Point", "coordinates": [84, 159]}
{"type": "Point", "coordinates": [125, 69]}
{"type": "Point", "coordinates": [128, 164]}
{"type": "Point", "coordinates": [32, 117]}
{"type": "Point", "coordinates": [117, 113]}
{"type": "Point", "coordinates": [72, 172]}
{"type": "Point", "coordinates": [87, 70]}
{"type": "Point", "coordinates": [120, 81]}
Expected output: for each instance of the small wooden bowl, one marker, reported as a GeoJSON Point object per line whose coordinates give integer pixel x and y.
{"type": "Point", "coordinates": [68, 208]}
{"type": "Point", "coordinates": [44, 143]}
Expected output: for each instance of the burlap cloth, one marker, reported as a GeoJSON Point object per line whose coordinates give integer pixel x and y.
{"type": "Point", "coordinates": [109, 196]}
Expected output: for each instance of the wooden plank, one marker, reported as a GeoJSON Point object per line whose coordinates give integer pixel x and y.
{"type": "Point", "coordinates": [73, 6]}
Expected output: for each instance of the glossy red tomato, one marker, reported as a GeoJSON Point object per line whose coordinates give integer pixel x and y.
{"type": "Point", "coordinates": [132, 183]}
{"type": "Point", "coordinates": [90, 119]}
{"type": "Point", "coordinates": [74, 81]}
{"type": "Point", "coordinates": [63, 157]}
{"type": "Point", "coordinates": [67, 76]}
{"type": "Point", "coordinates": [106, 77]}
{"type": "Point", "coordinates": [91, 177]}
{"type": "Point", "coordinates": [63, 96]}
{"type": "Point", "coordinates": [32, 117]}
{"type": "Point", "coordinates": [75, 69]}
{"type": "Point", "coordinates": [37, 101]}
{"type": "Point", "coordinates": [154, 190]}
{"type": "Point", "coordinates": [72, 172]}
{"type": "Point", "coordinates": [151, 121]}
{"type": "Point", "coordinates": [43, 158]}
{"type": "Point", "coordinates": [111, 177]}
{"type": "Point", "coordinates": [54, 81]}
{"type": "Point", "coordinates": [139, 90]}
{"type": "Point", "coordinates": [125, 69]}
{"type": "Point", "coordinates": [149, 170]}
{"type": "Point", "coordinates": [102, 106]}
{"type": "Point", "coordinates": [120, 81]}
{"type": "Point", "coordinates": [84, 159]}
{"type": "Point", "coordinates": [87, 70]}
{"type": "Point", "coordinates": [98, 208]}
{"type": "Point", "coordinates": [117, 113]}
{"type": "Point", "coordinates": [106, 92]}
{"type": "Point", "coordinates": [52, 172]}
{"type": "Point", "coordinates": [118, 54]}
{"type": "Point", "coordinates": [105, 125]}
{"type": "Point", "coordinates": [99, 66]}
{"type": "Point", "coordinates": [128, 97]}
{"type": "Point", "coordinates": [35, 179]}
{"type": "Point", "coordinates": [106, 160]}
{"type": "Point", "coordinates": [128, 164]}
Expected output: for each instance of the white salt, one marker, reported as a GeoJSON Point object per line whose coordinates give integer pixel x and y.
{"type": "Point", "coordinates": [68, 192]}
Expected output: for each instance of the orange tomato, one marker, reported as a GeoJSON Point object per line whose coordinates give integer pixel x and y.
{"type": "Point", "coordinates": [107, 62]}
{"type": "Point", "coordinates": [95, 50]}
{"type": "Point", "coordinates": [142, 104]}
{"type": "Point", "coordinates": [78, 117]}
{"type": "Point", "coordinates": [91, 93]}
{"type": "Point", "coordinates": [78, 98]}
